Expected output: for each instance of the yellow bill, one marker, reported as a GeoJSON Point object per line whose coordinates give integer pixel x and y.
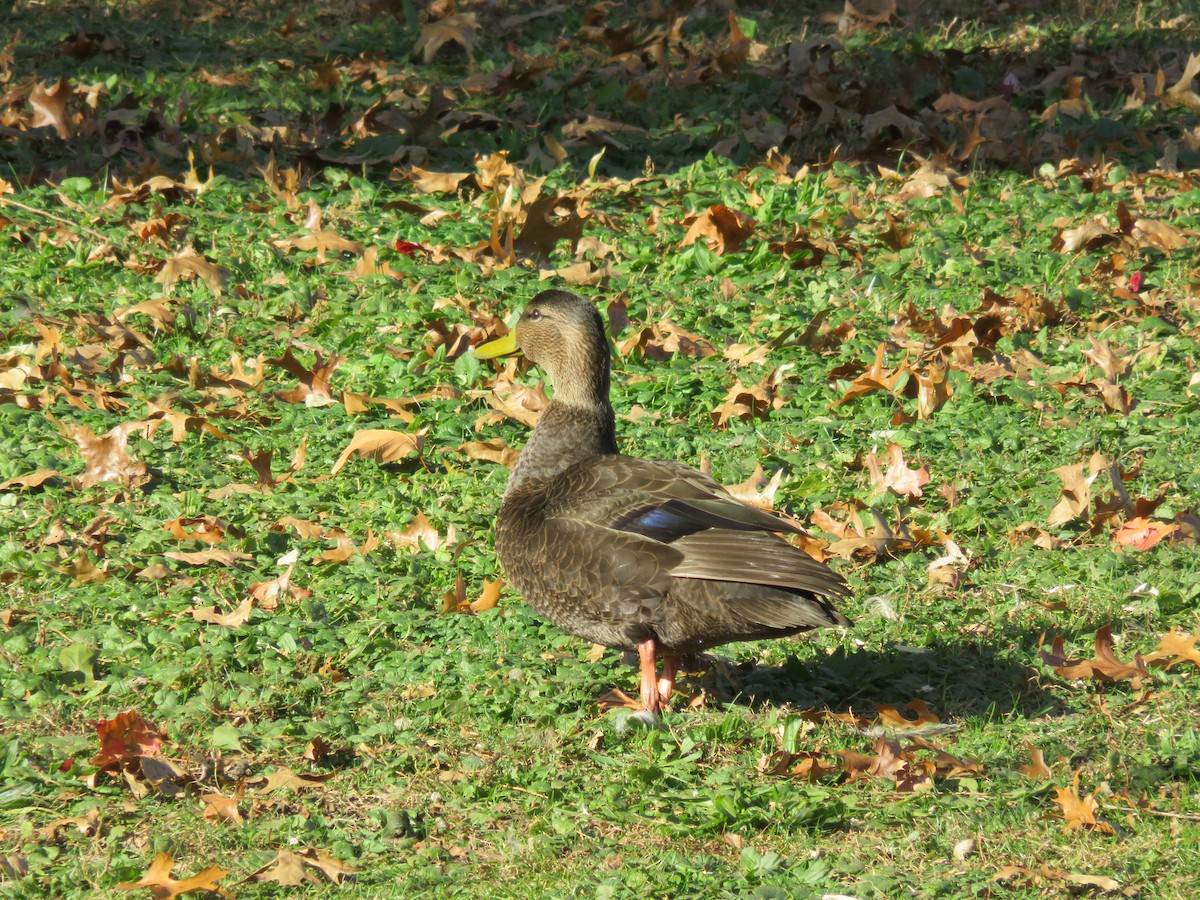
{"type": "Point", "coordinates": [505, 346]}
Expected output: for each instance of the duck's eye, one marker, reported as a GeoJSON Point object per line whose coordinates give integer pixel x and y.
{"type": "Point", "coordinates": [535, 314]}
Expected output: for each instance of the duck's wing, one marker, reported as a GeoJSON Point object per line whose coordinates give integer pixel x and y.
{"type": "Point", "coordinates": [719, 538]}
{"type": "Point", "coordinates": [755, 558]}
{"type": "Point", "coordinates": [658, 499]}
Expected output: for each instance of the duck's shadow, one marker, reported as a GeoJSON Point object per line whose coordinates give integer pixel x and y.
{"type": "Point", "coordinates": [957, 680]}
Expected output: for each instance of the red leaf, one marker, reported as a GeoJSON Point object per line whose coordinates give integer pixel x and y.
{"type": "Point", "coordinates": [124, 738]}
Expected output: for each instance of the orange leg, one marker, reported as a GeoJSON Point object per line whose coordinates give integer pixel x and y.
{"type": "Point", "coordinates": [656, 690]}
{"type": "Point", "coordinates": [650, 695]}
{"type": "Point", "coordinates": [666, 682]}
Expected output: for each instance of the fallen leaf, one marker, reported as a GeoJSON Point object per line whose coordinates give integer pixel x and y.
{"type": "Point", "coordinates": [1036, 768]}
{"type": "Point", "coordinates": [206, 529]}
{"type": "Point", "coordinates": [50, 106]}
{"type": "Point", "coordinates": [286, 869]}
{"type": "Point", "coordinates": [758, 490]}
{"type": "Point", "coordinates": [1076, 491]}
{"type": "Point", "coordinates": [87, 825]}
{"type": "Point", "coordinates": [424, 182]}
{"type": "Point", "coordinates": [324, 242]}
{"type": "Point", "coordinates": [1110, 885]}
{"type": "Point", "coordinates": [335, 869]}
{"type": "Point", "coordinates": [745, 403]}
{"type": "Point", "coordinates": [495, 450]}
{"type": "Point", "coordinates": [807, 766]}
{"type": "Point", "coordinates": [83, 571]}
{"type": "Point", "coordinates": [14, 865]}
{"type": "Point", "coordinates": [159, 882]}
{"type": "Point", "coordinates": [489, 597]}
{"type": "Point", "coordinates": [1181, 92]}
{"type": "Point", "coordinates": [1090, 234]}
{"type": "Point", "coordinates": [420, 535]}
{"type": "Point", "coordinates": [32, 480]}
{"type": "Point", "coordinates": [268, 593]}
{"type": "Point", "coordinates": [1028, 531]}
{"type": "Point", "coordinates": [459, 28]}
{"type": "Point", "coordinates": [876, 378]}
{"type": "Point", "coordinates": [235, 619]}
{"type": "Point", "coordinates": [106, 457]}
{"type": "Point", "coordinates": [858, 14]}
{"type": "Point", "coordinates": [900, 479]}
{"type": "Point", "coordinates": [1102, 354]}
{"type": "Point", "coordinates": [219, 808]}
{"type": "Point", "coordinates": [381, 445]}
{"type": "Point", "coordinates": [518, 401]}
{"type": "Point", "coordinates": [1141, 534]}
{"type": "Point", "coordinates": [933, 387]}
{"type": "Point", "coordinates": [124, 738]}
{"type": "Point", "coordinates": [1104, 668]}
{"type": "Point", "coordinates": [315, 383]}
{"type": "Point", "coordinates": [724, 229]}
{"type": "Point", "coordinates": [204, 557]}
{"type": "Point", "coordinates": [893, 720]}
{"type": "Point", "coordinates": [284, 778]}
{"type": "Point", "coordinates": [292, 869]}
{"type": "Point", "coordinates": [1174, 647]}
{"type": "Point", "coordinates": [549, 220]}
{"type": "Point", "coordinates": [317, 749]}
{"type": "Point", "coordinates": [1079, 812]}
{"type": "Point", "coordinates": [948, 568]}
{"type": "Point", "coordinates": [455, 600]}
{"type": "Point", "coordinates": [190, 264]}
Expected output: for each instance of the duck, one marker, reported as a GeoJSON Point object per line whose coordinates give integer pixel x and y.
{"type": "Point", "coordinates": [647, 556]}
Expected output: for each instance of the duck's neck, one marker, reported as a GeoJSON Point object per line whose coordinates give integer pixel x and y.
{"type": "Point", "coordinates": [577, 424]}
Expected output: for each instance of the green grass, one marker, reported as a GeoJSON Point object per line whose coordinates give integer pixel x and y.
{"type": "Point", "coordinates": [466, 753]}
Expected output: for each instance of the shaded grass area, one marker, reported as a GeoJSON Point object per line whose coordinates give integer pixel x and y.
{"type": "Point", "coordinates": [466, 752]}
{"type": "Point", "coordinates": [348, 84]}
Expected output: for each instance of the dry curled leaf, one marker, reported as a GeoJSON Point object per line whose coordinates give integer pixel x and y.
{"type": "Point", "coordinates": [219, 808]}
{"type": "Point", "coordinates": [159, 882]}
{"type": "Point", "coordinates": [106, 457]}
{"type": "Point", "coordinates": [1036, 768]}
{"type": "Point", "coordinates": [32, 480]}
{"type": "Point", "coordinates": [315, 387]}
{"type": "Point", "coordinates": [292, 869]}
{"type": "Point", "coordinates": [1141, 533]}
{"type": "Point", "coordinates": [1174, 647]}
{"type": "Point", "coordinates": [284, 777]}
{"type": "Point", "coordinates": [50, 106]}
{"type": "Point", "coordinates": [420, 535]}
{"type": "Point", "coordinates": [204, 557]}
{"type": "Point", "coordinates": [724, 229]}
{"type": "Point", "coordinates": [125, 738]}
{"type": "Point", "coordinates": [381, 445]}
{"type": "Point", "coordinates": [495, 450]}
{"type": "Point", "coordinates": [187, 263]}
{"type": "Point", "coordinates": [899, 479]}
{"type": "Point", "coordinates": [233, 619]}
{"type": "Point", "coordinates": [459, 28]}
{"type": "Point", "coordinates": [1079, 812]}
{"type": "Point", "coordinates": [894, 720]}
{"type": "Point", "coordinates": [324, 242]}
{"type": "Point", "coordinates": [1077, 490]}
{"type": "Point", "coordinates": [455, 600]}
{"type": "Point", "coordinates": [1104, 668]}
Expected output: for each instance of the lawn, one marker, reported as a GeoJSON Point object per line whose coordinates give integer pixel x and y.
{"type": "Point", "coordinates": [927, 284]}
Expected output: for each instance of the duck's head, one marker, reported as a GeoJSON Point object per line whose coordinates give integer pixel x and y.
{"type": "Point", "coordinates": [562, 333]}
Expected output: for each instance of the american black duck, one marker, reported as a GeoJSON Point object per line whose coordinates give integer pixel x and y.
{"type": "Point", "coordinates": [638, 554]}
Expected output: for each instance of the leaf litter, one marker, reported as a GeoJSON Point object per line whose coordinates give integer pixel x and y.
{"type": "Point", "coordinates": [1030, 109]}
